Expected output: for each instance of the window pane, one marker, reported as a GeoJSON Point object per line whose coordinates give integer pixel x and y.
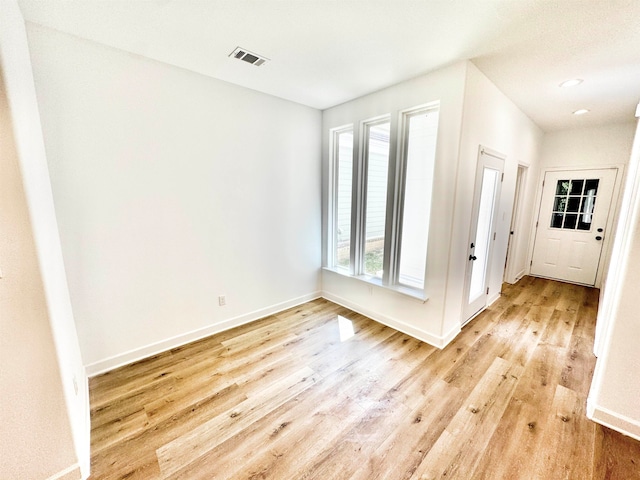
{"type": "Point", "coordinates": [576, 187]}
{"type": "Point", "coordinates": [588, 204]}
{"type": "Point", "coordinates": [583, 225]}
{"type": "Point", "coordinates": [570, 220]}
{"type": "Point", "coordinates": [376, 208]}
{"type": "Point", "coordinates": [421, 134]}
{"type": "Point", "coordinates": [579, 196]}
{"type": "Point", "coordinates": [573, 205]}
{"type": "Point", "coordinates": [562, 188]}
{"type": "Point", "coordinates": [556, 220]}
{"type": "Point", "coordinates": [559, 204]}
{"type": "Point", "coordinates": [591, 185]}
{"type": "Point", "coordinates": [344, 166]}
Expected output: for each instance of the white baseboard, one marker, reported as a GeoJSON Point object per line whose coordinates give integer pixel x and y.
{"type": "Point", "coordinates": [448, 337]}
{"type": "Point", "coordinates": [431, 339]}
{"type": "Point", "coordinates": [620, 423]}
{"type": "Point", "coordinates": [102, 366]}
{"type": "Point", "coordinates": [493, 298]}
{"type": "Point", "coordinates": [70, 473]}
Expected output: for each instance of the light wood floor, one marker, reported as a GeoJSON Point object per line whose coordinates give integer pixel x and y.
{"type": "Point", "coordinates": [287, 398]}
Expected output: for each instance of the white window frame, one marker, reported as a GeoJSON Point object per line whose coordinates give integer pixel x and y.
{"type": "Point", "coordinates": [363, 170]}
{"type": "Point", "coordinates": [400, 188]}
{"type": "Point", "coordinates": [396, 176]}
{"type": "Point", "coordinates": [332, 254]}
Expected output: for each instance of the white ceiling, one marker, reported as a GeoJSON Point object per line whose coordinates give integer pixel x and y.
{"type": "Point", "coordinates": [326, 52]}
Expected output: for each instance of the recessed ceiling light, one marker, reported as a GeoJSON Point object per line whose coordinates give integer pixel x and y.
{"type": "Point", "coordinates": [571, 83]}
{"type": "Point", "coordinates": [582, 111]}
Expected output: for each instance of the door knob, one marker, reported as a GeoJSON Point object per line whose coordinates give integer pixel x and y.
{"type": "Point", "coordinates": [472, 257]}
{"type": "Point", "coordinates": [598, 237]}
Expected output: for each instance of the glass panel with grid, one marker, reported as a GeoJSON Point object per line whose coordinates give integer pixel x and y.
{"type": "Point", "coordinates": [573, 204]}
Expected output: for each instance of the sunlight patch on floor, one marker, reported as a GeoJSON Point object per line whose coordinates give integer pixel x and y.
{"type": "Point", "coordinates": [346, 328]}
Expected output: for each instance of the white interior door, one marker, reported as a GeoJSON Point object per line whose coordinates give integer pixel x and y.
{"type": "Point", "coordinates": [571, 224]}
{"type": "Point", "coordinates": [482, 234]}
{"type": "Point", "coordinates": [511, 270]}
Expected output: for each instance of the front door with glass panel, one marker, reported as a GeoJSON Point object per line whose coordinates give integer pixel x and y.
{"type": "Point", "coordinates": [483, 220]}
{"type": "Point", "coordinates": [571, 224]}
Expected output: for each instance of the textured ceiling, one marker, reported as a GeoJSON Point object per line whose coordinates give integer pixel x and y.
{"type": "Point", "coordinates": [326, 52]}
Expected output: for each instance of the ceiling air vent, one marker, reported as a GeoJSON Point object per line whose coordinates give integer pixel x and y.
{"type": "Point", "coordinates": [247, 56]}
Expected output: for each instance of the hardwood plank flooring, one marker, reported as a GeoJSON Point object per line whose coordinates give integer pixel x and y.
{"type": "Point", "coordinates": [291, 397]}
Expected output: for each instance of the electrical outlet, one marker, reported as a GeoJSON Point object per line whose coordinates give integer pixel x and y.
{"type": "Point", "coordinates": [370, 289]}
{"type": "Point", "coordinates": [75, 384]}
{"type": "Point", "coordinates": [222, 300]}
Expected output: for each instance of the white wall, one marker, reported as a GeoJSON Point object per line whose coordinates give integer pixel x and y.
{"type": "Point", "coordinates": [606, 145]}
{"type": "Point", "coordinates": [614, 394]}
{"type": "Point", "coordinates": [36, 439]}
{"type": "Point", "coordinates": [171, 189]}
{"type": "Point", "coordinates": [36, 308]}
{"type": "Point", "coordinates": [489, 119]}
{"type": "Point", "coordinates": [594, 147]}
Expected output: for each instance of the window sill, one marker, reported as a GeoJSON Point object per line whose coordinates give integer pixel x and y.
{"type": "Point", "coordinates": [412, 293]}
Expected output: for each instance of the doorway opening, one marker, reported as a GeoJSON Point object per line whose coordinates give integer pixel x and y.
{"type": "Point", "coordinates": [515, 265]}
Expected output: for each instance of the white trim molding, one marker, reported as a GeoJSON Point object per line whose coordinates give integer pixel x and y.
{"type": "Point", "coordinates": [72, 472]}
{"type": "Point", "coordinates": [620, 423]}
{"type": "Point", "coordinates": [141, 353]}
{"type": "Point", "coordinates": [434, 340]}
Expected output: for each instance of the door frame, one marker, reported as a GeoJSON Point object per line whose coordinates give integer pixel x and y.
{"type": "Point", "coordinates": [611, 220]}
{"type": "Point", "coordinates": [494, 157]}
{"type": "Point", "coordinates": [518, 227]}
